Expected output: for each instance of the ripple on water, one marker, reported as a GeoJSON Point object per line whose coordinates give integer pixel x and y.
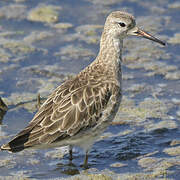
{"type": "Point", "coordinates": [42, 45]}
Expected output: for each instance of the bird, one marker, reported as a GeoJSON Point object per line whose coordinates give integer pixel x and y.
{"type": "Point", "coordinates": [78, 111]}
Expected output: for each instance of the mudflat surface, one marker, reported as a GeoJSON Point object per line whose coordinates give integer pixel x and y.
{"type": "Point", "coordinates": [43, 43]}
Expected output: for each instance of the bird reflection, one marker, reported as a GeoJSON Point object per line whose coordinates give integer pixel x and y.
{"type": "Point", "coordinates": [67, 168]}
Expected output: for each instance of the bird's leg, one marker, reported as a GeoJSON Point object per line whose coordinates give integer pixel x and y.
{"type": "Point", "coordinates": [70, 153]}
{"type": "Point", "coordinates": [38, 101]}
{"type": "Point", "coordinates": [86, 160]}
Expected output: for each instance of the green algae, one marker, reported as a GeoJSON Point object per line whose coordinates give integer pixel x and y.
{"type": "Point", "coordinates": [175, 39]}
{"type": "Point", "coordinates": [172, 75]}
{"type": "Point", "coordinates": [175, 142]}
{"type": "Point", "coordinates": [147, 58]}
{"type": "Point", "coordinates": [25, 100]}
{"type": "Point", "coordinates": [149, 108]}
{"type": "Point", "coordinates": [64, 26]}
{"type": "Point", "coordinates": [4, 57]}
{"type": "Point", "coordinates": [105, 2]}
{"type": "Point", "coordinates": [158, 166]}
{"type": "Point", "coordinates": [175, 5]}
{"type": "Point", "coordinates": [98, 177]}
{"type": "Point", "coordinates": [172, 151]}
{"type": "Point", "coordinates": [7, 162]}
{"type": "Point", "coordinates": [10, 34]}
{"type": "Point", "coordinates": [57, 153]}
{"type": "Point", "coordinates": [118, 165]}
{"type": "Point", "coordinates": [71, 52]}
{"type": "Point", "coordinates": [13, 11]}
{"type": "Point", "coordinates": [18, 47]}
{"type": "Point", "coordinates": [89, 33]}
{"type": "Point", "coordinates": [44, 13]}
{"type": "Point", "coordinates": [9, 68]}
{"type": "Point", "coordinates": [37, 36]}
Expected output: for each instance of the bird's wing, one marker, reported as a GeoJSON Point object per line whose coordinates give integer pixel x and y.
{"type": "Point", "coordinates": [73, 106]}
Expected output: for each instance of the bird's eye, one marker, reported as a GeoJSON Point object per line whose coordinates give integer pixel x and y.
{"type": "Point", "coordinates": [122, 24]}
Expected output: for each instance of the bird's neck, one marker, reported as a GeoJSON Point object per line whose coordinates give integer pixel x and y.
{"type": "Point", "coordinates": [110, 49]}
{"type": "Point", "coordinates": [110, 56]}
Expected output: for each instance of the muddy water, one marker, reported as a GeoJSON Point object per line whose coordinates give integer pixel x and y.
{"type": "Point", "coordinates": [43, 43]}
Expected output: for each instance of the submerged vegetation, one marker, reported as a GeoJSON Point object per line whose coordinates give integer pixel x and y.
{"type": "Point", "coordinates": [42, 45]}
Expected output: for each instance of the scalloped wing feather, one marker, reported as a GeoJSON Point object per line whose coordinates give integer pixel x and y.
{"type": "Point", "coordinates": [71, 107]}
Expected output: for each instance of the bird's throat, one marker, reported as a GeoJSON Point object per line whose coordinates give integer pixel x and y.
{"type": "Point", "coordinates": [110, 50]}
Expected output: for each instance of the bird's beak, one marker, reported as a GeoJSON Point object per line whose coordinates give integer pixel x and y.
{"type": "Point", "coordinates": [138, 32]}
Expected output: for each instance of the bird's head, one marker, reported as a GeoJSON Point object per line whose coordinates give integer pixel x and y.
{"type": "Point", "coordinates": [121, 24]}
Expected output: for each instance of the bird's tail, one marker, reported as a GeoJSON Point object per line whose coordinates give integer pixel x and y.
{"type": "Point", "coordinates": [16, 144]}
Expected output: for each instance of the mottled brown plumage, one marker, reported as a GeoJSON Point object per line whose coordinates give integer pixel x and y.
{"type": "Point", "coordinates": [74, 106]}
{"type": "Point", "coordinates": [80, 109]}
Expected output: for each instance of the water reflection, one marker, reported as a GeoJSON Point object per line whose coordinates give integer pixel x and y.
{"type": "Point", "coordinates": [36, 57]}
{"type": "Point", "coordinates": [67, 169]}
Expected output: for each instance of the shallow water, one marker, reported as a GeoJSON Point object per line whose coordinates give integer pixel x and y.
{"type": "Point", "coordinates": [35, 57]}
